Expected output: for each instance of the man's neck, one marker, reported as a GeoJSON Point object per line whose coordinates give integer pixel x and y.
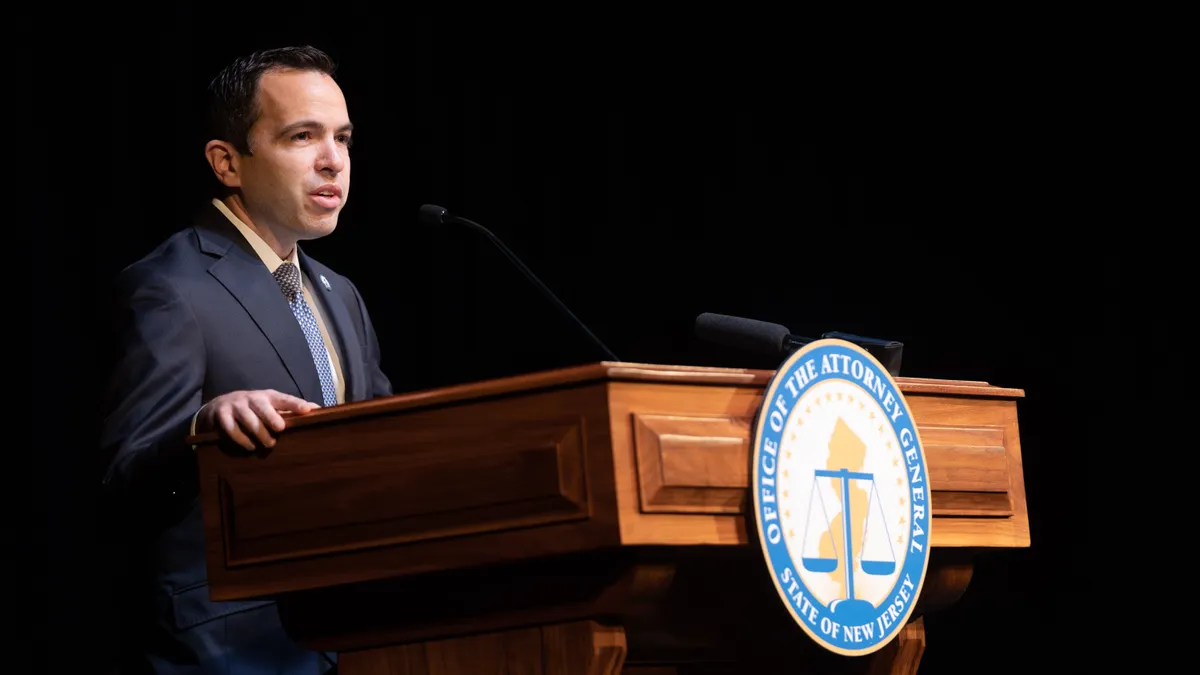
{"type": "Point", "coordinates": [283, 248]}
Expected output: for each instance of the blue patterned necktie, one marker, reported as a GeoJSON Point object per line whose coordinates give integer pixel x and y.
{"type": "Point", "coordinates": [288, 276]}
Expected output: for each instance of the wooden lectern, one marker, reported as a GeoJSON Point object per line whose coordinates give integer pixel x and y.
{"type": "Point", "coordinates": [583, 520]}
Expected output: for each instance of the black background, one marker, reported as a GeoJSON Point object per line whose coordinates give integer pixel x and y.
{"type": "Point", "coordinates": [647, 169]}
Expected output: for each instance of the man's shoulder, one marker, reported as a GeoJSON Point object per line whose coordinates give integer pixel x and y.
{"type": "Point", "coordinates": [188, 252]}
{"type": "Point", "coordinates": [177, 255]}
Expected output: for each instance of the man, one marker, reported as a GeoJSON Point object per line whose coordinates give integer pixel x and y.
{"type": "Point", "coordinates": [226, 324]}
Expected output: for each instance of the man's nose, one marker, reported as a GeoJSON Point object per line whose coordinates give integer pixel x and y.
{"type": "Point", "coordinates": [332, 158]}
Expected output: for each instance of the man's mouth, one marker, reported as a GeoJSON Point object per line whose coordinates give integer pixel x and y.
{"type": "Point", "coordinates": [327, 196]}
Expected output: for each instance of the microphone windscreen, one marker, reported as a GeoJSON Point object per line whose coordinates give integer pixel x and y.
{"type": "Point", "coordinates": [433, 214]}
{"type": "Point", "coordinates": [741, 333]}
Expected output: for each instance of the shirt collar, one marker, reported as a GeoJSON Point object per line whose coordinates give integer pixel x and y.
{"type": "Point", "coordinates": [265, 252]}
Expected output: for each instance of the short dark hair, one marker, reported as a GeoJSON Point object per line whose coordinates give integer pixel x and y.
{"type": "Point", "coordinates": [233, 93]}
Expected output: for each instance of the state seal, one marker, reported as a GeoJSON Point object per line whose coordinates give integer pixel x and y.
{"type": "Point", "coordinates": [841, 496]}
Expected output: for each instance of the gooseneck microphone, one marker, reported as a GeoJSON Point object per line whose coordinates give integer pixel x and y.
{"type": "Point", "coordinates": [437, 215]}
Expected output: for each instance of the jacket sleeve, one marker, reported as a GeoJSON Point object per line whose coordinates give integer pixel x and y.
{"type": "Point", "coordinates": [154, 391]}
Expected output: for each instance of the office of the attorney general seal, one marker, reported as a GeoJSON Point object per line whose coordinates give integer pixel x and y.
{"type": "Point", "coordinates": [841, 496]}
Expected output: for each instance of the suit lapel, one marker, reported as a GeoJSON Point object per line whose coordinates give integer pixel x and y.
{"type": "Point", "coordinates": [338, 319]}
{"type": "Point", "coordinates": [247, 279]}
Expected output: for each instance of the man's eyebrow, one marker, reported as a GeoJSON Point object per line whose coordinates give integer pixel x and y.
{"type": "Point", "coordinates": [347, 127]}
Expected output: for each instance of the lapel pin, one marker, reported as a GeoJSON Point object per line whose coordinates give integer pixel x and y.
{"type": "Point", "coordinates": [326, 282]}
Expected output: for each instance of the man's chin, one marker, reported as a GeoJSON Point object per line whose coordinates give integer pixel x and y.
{"type": "Point", "coordinates": [315, 228]}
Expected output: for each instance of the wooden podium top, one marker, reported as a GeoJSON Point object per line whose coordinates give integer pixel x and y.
{"type": "Point", "coordinates": [607, 371]}
{"type": "Point", "coordinates": [595, 457]}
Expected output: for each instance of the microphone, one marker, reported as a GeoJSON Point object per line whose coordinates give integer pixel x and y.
{"type": "Point", "coordinates": [437, 215]}
{"type": "Point", "coordinates": [773, 339]}
{"type": "Point", "coordinates": [750, 335]}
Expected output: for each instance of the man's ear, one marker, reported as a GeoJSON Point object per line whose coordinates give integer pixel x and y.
{"type": "Point", "coordinates": [225, 162]}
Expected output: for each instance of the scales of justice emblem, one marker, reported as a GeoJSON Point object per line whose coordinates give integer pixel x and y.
{"type": "Point", "coordinates": [841, 496]}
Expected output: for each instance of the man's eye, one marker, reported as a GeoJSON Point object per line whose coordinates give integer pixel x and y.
{"type": "Point", "coordinates": [345, 140]}
{"type": "Point", "coordinates": [303, 135]}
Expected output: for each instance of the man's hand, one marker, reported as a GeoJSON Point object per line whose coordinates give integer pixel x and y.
{"type": "Point", "coordinates": [244, 416]}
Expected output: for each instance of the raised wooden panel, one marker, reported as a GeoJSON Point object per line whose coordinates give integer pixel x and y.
{"type": "Point", "coordinates": [700, 464]}
{"type": "Point", "coordinates": [458, 483]}
{"type": "Point", "coordinates": [968, 470]}
{"type": "Point", "coordinates": [692, 464]}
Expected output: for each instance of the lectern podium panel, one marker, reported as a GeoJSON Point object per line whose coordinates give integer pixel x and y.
{"type": "Point", "coordinates": [594, 519]}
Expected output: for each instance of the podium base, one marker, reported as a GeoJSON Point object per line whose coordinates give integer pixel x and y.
{"type": "Point", "coordinates": [582, 648]}
{"type": "Point", "coordinates": [579, 647]}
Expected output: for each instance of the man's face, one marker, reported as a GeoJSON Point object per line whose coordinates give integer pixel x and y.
{"type": "Point", "coordinates": [298, 176]}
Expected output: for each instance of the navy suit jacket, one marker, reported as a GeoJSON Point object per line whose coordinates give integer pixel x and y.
{"type": "Point", "coordinates": [201, 316]}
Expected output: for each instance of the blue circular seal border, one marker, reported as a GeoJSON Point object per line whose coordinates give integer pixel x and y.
{"type": "Point", "coordinates": [810, 613]}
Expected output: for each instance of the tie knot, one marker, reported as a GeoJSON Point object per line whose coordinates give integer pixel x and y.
{"type": "Point", "coordinates": [288, 276]}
